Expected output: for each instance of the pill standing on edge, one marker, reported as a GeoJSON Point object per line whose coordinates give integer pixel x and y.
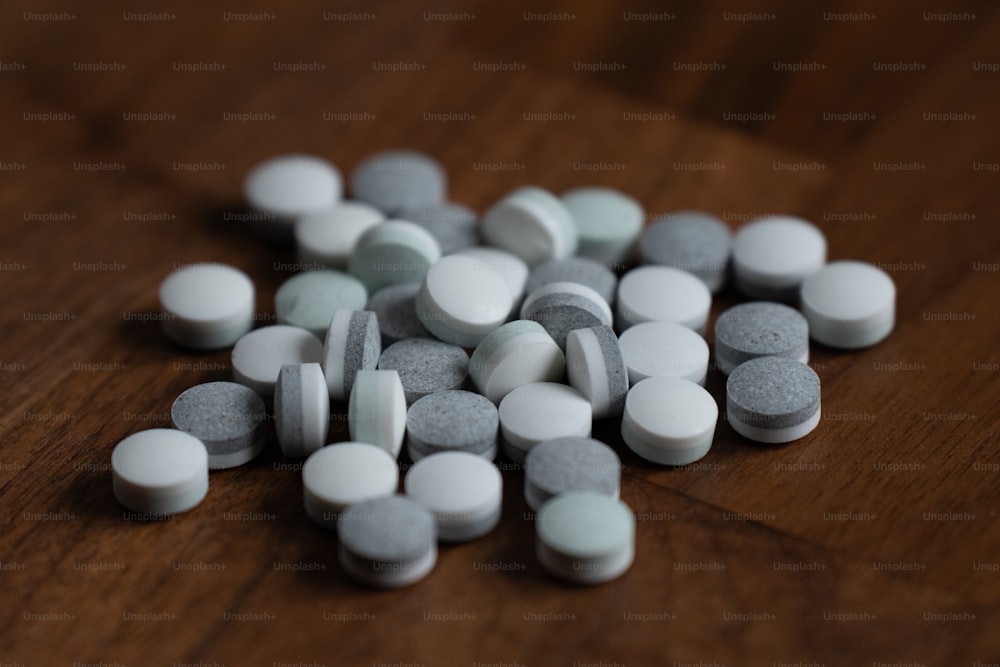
{"type": "Point", "coordinates": [326, 238]}
{"type": "Point", "coordinates": [301, 409]}
{"type": "Point", "coordinates": [352, 343]}
{"type": "Point", "coordinates": [669, 420]}
{"type": "Point", "coordinates": [607, 222]}
{"type": "Point", "coordinates": [452, 420]}
{"type": "Point", "coordinates": [462, 299]}
{"type": "Point", "coordinates": [570, 464]}
{"type": "Point", "coordinates": [773, 399]}
{"type": "Point", "coordinates": [464, 491]}
{"type": "Point", "coordinates": [773, 255]}
{"type": "Point", "coordinates": [258, 356]}
{"type": "Point", "coordinates": [376, 410]}
{"type": "Point", "coordinates": [207, 306]}
{"type": "Point", "coordinates": [759, 329]}
{"type": "Point", "coordinates": [425, 366]}
{"type": "Point", "coordinates": [662, 294]}
{"type": "Point", "coordinates": [849, 304]}
{"type": "Point", "coordinates": [229, 419]}
{"type": "Point", "coordinates": [399, 178]}
{"type": "Point", "coordinates": [391, 253]}
{"type": "Point", "coordinates": [309, 300]}
{"type": "Point", "coordinates": [339, 475]}
{"type": "Point", "coordinates": [596, 368]}
{"type": "Point", "coordinates": [693, 241]}
{"type": "Point", "coordinates": [540, 411]}
{"type": "Point", "coordinates": [160, 471]}
{"type": "Point", "coordinates": [655, 349]}
{"type": "Point", "coordinates": [518, 353]}
{"type": "Point", "coordinates": [531, 223]}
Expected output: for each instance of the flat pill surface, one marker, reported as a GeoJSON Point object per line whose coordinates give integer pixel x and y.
{"type": "Point", "coordinates": [759, 329]}
{"type": "Point", "coordinates": [696, 242]}
{"type": "Point", "coordinates": [531, 223]}
{"type": "Point", "coordinates": [772, 256]}
{"type": "Point", "coordinates": [455, 226]}
{"type": "Point", "coordinates": [653, 349]}
{"type": "Point", "coordinates": [669, 420]}
{"type": "Point", "coordinates": [425, 365]}
{"type": "Point", "coordinates": [518, 353]}
{"type": "Point", "coordinates": [570, 464]}
{"type": "Point", "coordinates": [327, 237]}
{"type": "Point", "coordinates": [849, 304]}
{"type": "Point", "coordinates": [662, 294]}
{"type": "Point", "coordinates": [208, 306]}
{"type": "Point", "coordinates": [585, 537]}
{"type": "Point", "coordinates": [391, 253]}
{"type": "Point", "coordinates": [596, 368]}
{"type": "Point", "coordinates": [464, 491]}
{"type": "Point", "coordinates": [398, 179]}
{"type": "Point", "coordinates": [453, 420]}
{"type": "Point", "coordinates": [541, 411]}
{"type": "Point", "coordinates": [352, 343]}
{"type": "Point", "coordinates": [227, 417]}
{"type": "Point", "coordinates": [340, 475]}
{"type": "Point", "coordinates": [462, 299]}
{"type": "Point", "coordinates": [589, 272]}
{"type": "Point", "coordinates": [257, 357]}
{"type": "Point", "coordinates": [607, 222]}
{"type": "Point", "coordinates": [309, 300]}
{"type": "Point", "coordinates": [773, 399]}
{"type": "Point", "coordinates": [511, 268]}
{"type": "Point", "coordinates": [376, 410]}
{"type": "Point", "coordinates": [293, 185]}
{"type": "Point", "coordinates": [160, 471]}
{"type": "Point", "coordinates": [301, 409]}
{"type": "Point", "coordinates": [395, 307]}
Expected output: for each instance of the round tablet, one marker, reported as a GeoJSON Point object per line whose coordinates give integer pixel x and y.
{"type": "Point", "coordinates": [308, 300]}
{"type": "Point", "coordinates": [585, 537]}
{"type": "Point", "coordinates": [773, 255]}
{"type": "Point", "coordinates": [160, 471]}
{"type": "Point", "coordinates": [510, 267]}
{"type": "Point", "coordinates": [773, 399]}
{"type": "Point", "coordinates": [595, 368]}
{"type": "Point", "coordinates": [393, 252]}
{"type": "Point", "coordinates": [464, 491]}
{"type": "Point", "coordinates": [301, 409]}
{"type": "Point", "coordinates": [452, 420]}
{"type": "Point", "coordinates": [455, 226]}
{"type": "Point", "coordinates": [395, 308]}
{"type": "Point", "coordinates": [398, 179]}
{"type": "Point", "coordinates": [849, 304]}
{"type": "Point", "coordinates": [541, 411]}
{"type": "Point", "coordinates": [387, 542]}
{"type": "Point", "coordinates": [664, 349]}
{"type": "Point", "coordinates": [337, 476]}
{"type": "Point", "coordinates": [376, 410]}
{"type": "Point", "coordinates": [696, 242]}
{"type": "Point", "coordinates": [589, 272]}
{"type": "Point", "coordinates": [570, 464]}
{"type": "Point", "coordinates": [531, 223]}
{"type": "Point", "coordinates": [563, 307]}
{"type": "Point", "coordinates": [662, 294]}
{"type": "Point", "coordinates": [759, 329]}
{"type": "Point", "coordinates": [326, 238]}
{"type": "Point", "coordinates": [227, 417]}
{"type": "Point", "coordinates": [518, 353]}
{"type": "Point", "coordinates": [257, 357]}
{"type": "Point", "coordinates": [352, 343]}
{"type": "Point", "coordinates": [288, 186]}
{"type": "Point", "coordinates": [207, 306]}
{"type": "Point", "coordinates": [425, 365]}
{"type": "Point", "coordinates": [462, 299]}
{"type": "Point", "coordinates": [607, 221]}
{"type": "Point", "coordinates": [669, 420]}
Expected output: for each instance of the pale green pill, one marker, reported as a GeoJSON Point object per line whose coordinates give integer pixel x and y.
{"type": "Point", "coordinates": [376, 410]}
{"type": "Point", "coordinates": [607, 221]}
{"type": "Point", "coordinates": [309, 300]}
{"type": "Point", "coordinates": [392, 253]}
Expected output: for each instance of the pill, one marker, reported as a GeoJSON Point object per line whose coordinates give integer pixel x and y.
{"type": "Point", "coordinates": [693, 241]}
{"type": "Point", "coordinates": [326, 238]}
{"type": "Point", "coordinates": [773, 255]}
{"type": "Point", "coordinates": [339, 475]}
{"type": "Point", "coordinates": [207, 306]}
{"type": "Point", "coordinates": [669, 420]}
{"type": "Point", "coordinates": [227, 417]}
{"type": "Point", "coordinates": [562, 307]}
{"type": "Point", "coordinates": [849, 304]}
{"type": "Point", "coordinates": [455, 226]}
{"type": "Point", "coordinates": [595, 368]}
{"type": "Point", "coordinates": [393, 252]}
{"type": "Point", "coordinates": [515, 354]}
{"type": "Point", "coordinates": [309, 299]}
{"type": "Point", "coordinates": [773, 399]}
{"type": "Point", "coordinates": [282, 188]}
{"type": "Point", "coordinates": [352, 343]}
{"type": "Point", "coordinates": [301, 409]}
{"type": "Point", "coordinates": [570, 464]}
{"type": "Point", "coordinates": [387, 542]}
{"type": "Point", "coordinates": [160, 471]}
{"type": "Point", "coordinates": [398, 179]}
{"type": "Point", "coordinates": [607, 222]}
{"type": "Point", "coordinates": [664, 349]}
{"type": "Point", "coordinates": [425, 365]}
{"type": "Point", "coordinates": [396, 311]}
{"type": "Point", "coordinates": [759, 329]}
{"type": "Point", "coordinates": [452, 420]}
{"type": "Point", "coordinates": [585, 537]}
{"type": "Point", "coordinates": [531, 223]}
{"type": "Point", "coordinates": [464, 491]}
{"type": "Point", "coordinates": [510, 267]}
{"type": "Point", "coordinates": [541, 411]}
{"type": "Point", "coordinates": [258, 356]}
{"type": "Point", "coordinates": [662, 294]}
{"type": "Point", "coordinates": [589, 272]}
{"type": "Point", "coordinates": [376, 410]}
{"type": "Point", "coordinates": [462, 299]}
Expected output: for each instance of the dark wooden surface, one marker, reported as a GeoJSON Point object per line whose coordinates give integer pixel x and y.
{"type": "Point", "coordinates": [873, 541]}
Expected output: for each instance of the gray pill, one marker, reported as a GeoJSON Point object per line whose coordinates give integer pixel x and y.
{"type": "Point", "coordinates": [301, 409]}
{"type": "Point", "coordinates": [570, 464]}
{"type": "Point", "coordinates": [227, 417]}
{"type": "Point", "coordinates": [352, 343]}
{"type": "Point", "coordinates": [455, 226]}
{"type": "Point", "coordinates": [596, 368]}
{"type": "Point", "coordinates": [397, 179]}
{"type": "Point", "coordinates": [589, 272]}
{"type": "Point", "coordinates": [387, 542]}
{"type": "Point", "coordinates": [452, 420]}
{"type": "Point", "coordinates": [760, 329]}
{"type": "Point", "coordinates": [690, 240]}
{"type": "Point", "coordinates": [561, 307]}
{"type": "Point", "coordinates": [425, 365]}
{"type": "Point", "coordinates": [773, 399]}
{"type": "Point", "coordinates": [395, 307]}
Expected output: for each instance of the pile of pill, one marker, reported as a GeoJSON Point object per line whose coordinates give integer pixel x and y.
{"type": "Point", "coordinates": [467, 339]}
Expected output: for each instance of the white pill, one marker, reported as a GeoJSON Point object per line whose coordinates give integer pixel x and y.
{"type": "Point", "coordinates": [773, 255]}
{"type": "Point", "coordinates": [608, 222]}
{"type": "Point", "coordinates": [160, 471]}
{"type": "Point", "coordinates": [376, 410]}
{"type": "Point", "coordinates": [585, 537]}
{"type": "Point", "coordinates": [288, 186]}
{"type": "Point", "coordinates": [669, 420]}
{"type": "Point", "coordinates": [462, 299]}
{"type": "Point", "coordinates": [562, 307]}
{"type": "Point", "coordinates": [392, 253]}
{"type": "Point", "coordinates": [327, 238]}
{"type": "Point", "coordinates": [208, 306]}
{"type": "Point", "coordinates": [662, 294]}
{"type": "Point", "coordinates": [849, 304]}
{"type": "Point", "coordinates": [510, 267]}
{"type": "Point", "coordinates": [463, 490]}
{"type": "Point", "coordinates": [257, 357]}
{"type": "Point", "coordinates": [301, 409]}
{"type": "Point", "coordinates": [515, 354]}
{"type": "Point", "coordinates": [541, 411]}
{"type": "Point", "coordinates": [342, 474]}
{"type": "Point", "coordinates": [664, 349]}
{"type": "Point", "coordinates": [533, 224]}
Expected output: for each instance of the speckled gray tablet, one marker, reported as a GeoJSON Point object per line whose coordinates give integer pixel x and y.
{"type": "Point", "coordinates": [452, 420]}
{"type": "Point", "coordinates": [455, 226]}
{"type": "Point", "coordinates": [387, 542]}
{"type": "Point", "coordinates": [395, 307]}
{"type": "Point", "coordinates": [308, 300]}
{"type": "Point", "coordinates": [696, 242]}
{"type": "Point", "coordinates": [562, 307]}
{"type": "Point", "coordinates": [301, 409]}
{"type": "Point", "coordinates": [570, 464]}
{"type": "Point", "coordinates": [227, 417]}
{"type": "Point", "coordinates": [773, 399]}
{"type": "Point", "coordinates": [398, 179]}
{"type": "Point", "coordinates": [759, 329]}
{"type": "Point", "coordinates": [352, 343]}
{"type": "Point", "coordinates": [596, 368]}
{"type": "Point", "coordinates": [589, 272]}
{"type": "Point", "coordinates": [425, 365]}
